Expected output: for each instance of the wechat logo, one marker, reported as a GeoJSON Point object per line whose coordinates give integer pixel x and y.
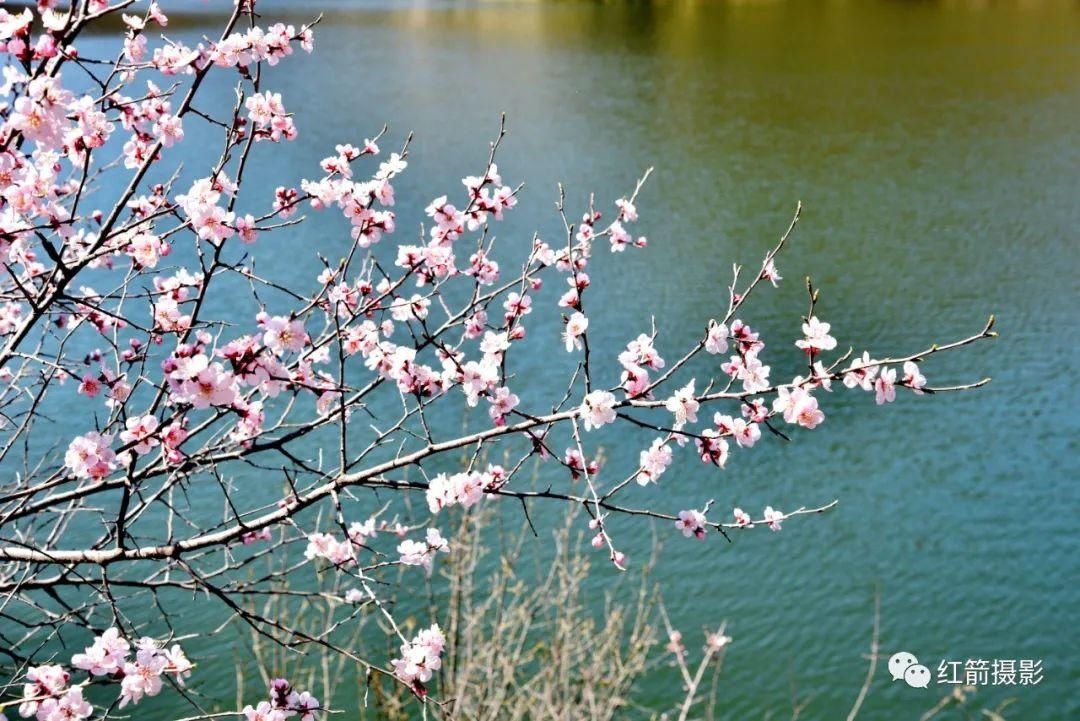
{"type": "Point", "coordinates": [904, 665]}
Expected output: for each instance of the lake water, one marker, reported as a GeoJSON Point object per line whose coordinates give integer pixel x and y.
{"type": "Point", "coordinates": [936, 150]}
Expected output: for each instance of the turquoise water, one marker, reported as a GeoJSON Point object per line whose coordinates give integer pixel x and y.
{"type": "Point", "coordinates": [936, 150]}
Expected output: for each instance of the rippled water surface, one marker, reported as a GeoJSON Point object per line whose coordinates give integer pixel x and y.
{"type": "Point", "coordinates": [936, 150]}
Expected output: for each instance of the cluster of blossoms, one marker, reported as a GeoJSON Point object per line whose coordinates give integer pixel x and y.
{"type": "Point", "coordinates": [200, 204]}
{"type": "Point", "coordinates": [770, 516]}
{"type": "Point", "coordinates": [342, 553]}
{"type": "Point", "coordinates": [465, 489]}
{"type": "Point", "coordinates": [616, 232]}
{"type": "Point", "coordinates": [63, 124]}
{"type": "Point", "coordinates": [285, 702]}
{"type": "Point", "coordinates": [715, 641]}
{"type": "Point", "coordinates": [238, 49]}
{"type": "Point", "coordinates": [654, 461]}
{"type": "Point", "coordinates": [90, 456]}
{"type": "Point", "coordinates": [268, 117]}
{"type": "Point", "coordinates": [870, 376]}
{"type": "Point", "coordinates": [577, 465]}
{"type": "Point", "coordinates": [47, 695]}
{"type": "Point", "coordinates": [241, 49]}
{"type": "Point", "coordinates": [637, 360]}
{"type": "Point", "coordinates": [420, 658]}
{"type": "Point", "coordinates": [694, 524]}
{"type": "Point", "coordinates": [422, 553]}
{"type": "Point", "coordinates": [794, 402]}
{"type": "Point", "coordinates": [356, 200]}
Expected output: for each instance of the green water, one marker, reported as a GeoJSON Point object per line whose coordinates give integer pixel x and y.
{"type": "Point", "coordinates": [936, 150]}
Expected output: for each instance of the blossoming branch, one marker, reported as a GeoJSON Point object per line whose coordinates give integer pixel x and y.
{"type": "Point", "coordinates": [199, 438]}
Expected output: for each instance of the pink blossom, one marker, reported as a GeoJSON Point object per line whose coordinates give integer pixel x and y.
{"type": "Point", "coordinates": [494, 345]}
{"type": "Point", "coordinates": [577, 465]}
{"type": "Point", "coordinates": [106, 656]}
{"type": "Point", "coordinates": [90, 386]}
{"type": "Point", "coordinates": [712, 448]}
{"type": "Point", "coordinates": [754, 375]}
{"type": "Point", "coordinates": [169, 129]}
{"type": "Point", "coordinates": [597, 409]}
{"type": "Point", "coordinates": [283, 334]}
{"type": "Point", "coordinates": [640, 352]}
{"type": "Point", "coordinates": [245, 227]}
{"type": "Point", "coordinates": [414, 308]}
{"type": "Point", "coordinates": [477, 378]}
{"type": "Point", "coordinates": [716, 341]}
{"type": "Point", "coordinates": [683, 405]}
{"type": "Point", "coordinates": [119, 390]}
{"type": "Point", "coordinates": [798, 406]}
{"type": "Point", "coordinates": [10, 315]}
{"type": "Point", "coordinates": [212, 386]}
{"type": "Point", "coordinates": [862, 373]}
{"type": "Point", "coordinates": [420, 657]}
{"type": "Point", "coordinates": [715, 642]}
{"type": "Point", "coordinates": [422, 553]}
{"type": "Point", "coordinates": [142, 677]}
{"type": "Point", "coordinates": [502, 402]}
{"type": "Point", "coordinates": [359, 533]}
{"type": "Point", "coordinates": [619, 237]}
{"type": "Point", "coordinates": [820, 377]}
{"type": "Point", "coordinates": [654, 461]}
{"type": "Point", "coordinates": [817, 337]}
{"type": "Point", "coordinates": [268, 116]}
{"type": "Point", "coordinates": [575, 329]}
{"type": "Point", "coordinates": [89, 456]}
{"type": "Point", "coordinates": [263, 712]}
{"type": "Point", "coordinates": [675, 643]}
{"type": "Point", "coordinates": [252, 417]}
{"type": "Point", "coordinates": [42, 682]}
{"type": "Point", "coordinates": [173, 435]}
{"type": "Point", "coordinates": [742, 518]}
{"type": "Point", "coordinates": [392, 166]}
{"type": "Point", "coordinates": [71, 706]}
{"type": "Point", "coordinates": [325, 546]}
{"type": "Point", "coordinates": [692, 523]}
{"type": "Point", "coordinates": [807, 413]}
{"type": "Point", "coordinates": [449, 221]}
{"type": "Point", "coordinates": [745, 434]}
{"type": "Point", "coordinates": [748, 341]}
{"type": "Point", "coordinates": [303, 704]}
{"type": "Point", "coordinates": [485, 270]}
{"type": "Point", "coordinates": [140, 431]}
{"type": "Point", "coordinates": [517, 305]}
{"type": "Point", "coordinates": [146, 249]}
{"type": "Point", "coordinates": [177, 663]}
{"type": "Point", "coordinates": [466, 489]}
{"type": "Point", "coordinates": [755, 410]}
{"type": "Point", "coordinates": [251, 537]}
{"type": "Point", "coordinates": [769, 273]}
{"type": "Point", "coordinates": [772, 517]}
{"type": "Point", "coordinates": [635, 381]}
{"type": "Point", "coordinates": [210, 221]}
{"type": "Point", "coordinates": [885, 386]}
{"type": "Point", "coordinates": [913, 377]}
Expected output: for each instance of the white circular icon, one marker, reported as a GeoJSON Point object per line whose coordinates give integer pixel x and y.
{"type": "Point", "coordinates": [917, 676]}
{"type": "Point", "coordinates": [900, 662]}
{"type": "Point", "coordinates": [904, 665]}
